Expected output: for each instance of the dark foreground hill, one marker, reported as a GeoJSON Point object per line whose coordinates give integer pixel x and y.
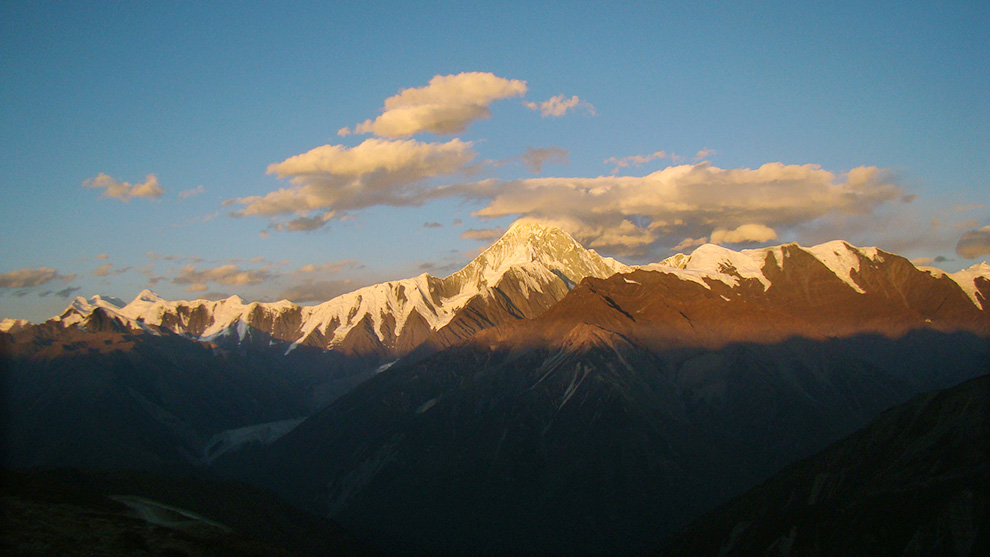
{"type": "Point", "coordinates": [916, 481]}
{"type": "Point", "coordinates": [76, 512]}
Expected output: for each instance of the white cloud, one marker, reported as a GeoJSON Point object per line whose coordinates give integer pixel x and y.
{"type": "Point", "coordinates": [124, 191]}
{"type": "Point", "coordinates": [629, 214]}
{"type": "Point", "coordinates": [376, 172]}
{"type": "Point", "coordinates": [744, 234]}
{"type": "Point", "coordinates": [446, 106]}
{"type": "Point", "coordinates": [558, 106]}
{"type": "Point", "coordinates": [974, 243]}
{"type": "Point", "coordinates": [25, 278]}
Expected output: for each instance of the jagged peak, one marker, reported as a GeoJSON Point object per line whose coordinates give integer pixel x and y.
{"type": "Point", "coordinates": [147, 295]}
{"type": "Point", "coordinates": [841, 257]}
{"type": "Point", "coordinates": [531, 242]}
{"type": "Point", "coordinates": [982, 268]}
{"type": "Point", "coordinates": [14, 325]}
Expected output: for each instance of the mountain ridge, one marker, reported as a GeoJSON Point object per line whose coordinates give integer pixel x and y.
{"type": "Point", "coordinates": [529, 258]}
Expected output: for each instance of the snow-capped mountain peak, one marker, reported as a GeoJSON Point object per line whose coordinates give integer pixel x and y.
{"type": "Point", "coordinates": [530, 268]}
{"type": "Point", "coordinates": [539, 248]}
{"type": "Point", "coordinates": [728, 266]}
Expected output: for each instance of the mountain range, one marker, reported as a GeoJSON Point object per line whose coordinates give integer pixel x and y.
{"type": "Point", "coordinates": [541, 399]}
{"type": "Point", "coordinates": [532, 267]}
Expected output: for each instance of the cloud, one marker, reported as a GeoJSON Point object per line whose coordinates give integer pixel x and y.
{"type": "Point", "coordinates": [635, 160]}
{"type": "Point", "coordinates": [333, 267]}
{"type": "Point", "coordinates": [703, 154]}
{"type": "Point", "coordinates": [103, 256]}
{"type": "Point", "coordinates": [969, 207]}
{"type": "Point", "coordinates": [376, 172]}
{"type": "Point", "coordinates": [923, 261]}
{"type": "Point", "coordinates": [630, 215]}
{"type": "Point", "coordinates": [534, 158]}
{"type": "Point", "coordinates": [107, 270]}
{"type": "Point", "coordinates": [66, 292]}
{"type": "Point", "coordinates": [26, 278]}
{"type": "Point", "coordinates": [196, 279]}
{"type": "Point", "coordinates": [303, 224]}
{"type": "Point", "coordinates": [483, 234]}
{"type": "Point", "coordinates": [124, 191]}
{"type": "Point", "coordinates": [975, 243]}
{"type": "Point", "coordinates": [558, 106]}
{"type": "Point", "coordinates": [186, 194]}
{"type": "Point", "coordinates": [432, 225]}
{"type": "Point", "coordinates": [317, 291]}
{"type": "Point", "coordinates": [102, 270]}
{"type": "Point", "coordinates": [446, 106]}
{"type": "Point", "coordinates": [687, 243]}
{"type": "Point", "coordinates": [745, 234]}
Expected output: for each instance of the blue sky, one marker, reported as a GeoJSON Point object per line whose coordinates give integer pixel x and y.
{"type": "Point", "coordinates": [641, 128]}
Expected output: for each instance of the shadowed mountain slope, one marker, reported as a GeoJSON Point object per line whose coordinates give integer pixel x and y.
{"type": "Point", "coordinates": [628, 408]}
{"type": "Point", "coordinates": [916, 481]}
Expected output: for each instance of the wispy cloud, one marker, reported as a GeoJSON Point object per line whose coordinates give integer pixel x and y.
{"type": "Point", "coordinates": [329, 268]}
{"type": "Point", "coordinates": [446, 106]}
{"type": "Point", "coordinates": [970, 207]}
{"type": "Point", "coordinates": [66, 292]}
{"type": "Point", "coordinates": [558, 106]}
{"type": "Point", "coordinates": [483, 234]}
{"type": "Point", "coordinates": [634, 160]}
{"type": "Point", "coordinates": [534, 158]}
{"type": "Point", "coordinates": [25, 278]}
{"type": "Point", "coordinates": [124, 191]}
{"type": "Point", "coordinates": [703, 154]}
{"type": "Point", "coordinates": [688, 243]}
{"type": "Point", "coordinates": [974, 243]}
{"type": "Point", "coordinates": [107, 269]}
{"type": "Point", "coordinates": [317, 290]}
{"type": "Point", "coordinates": [186, 194]}
{"type": "Point", "coordinates": [196, 280]}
